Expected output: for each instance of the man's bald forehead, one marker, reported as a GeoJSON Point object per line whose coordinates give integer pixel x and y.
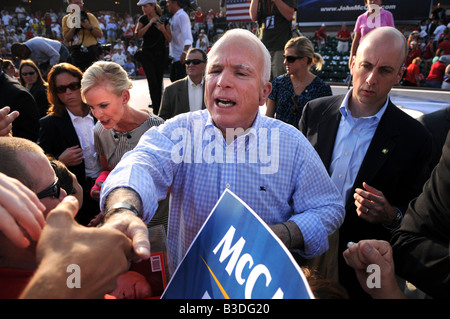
{"type": "Point", "coordinates": [385, 35]}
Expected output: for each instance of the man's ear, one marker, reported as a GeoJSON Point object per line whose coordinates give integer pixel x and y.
{"type": "Point", "coordinates": [265, 91]}
{"type": "Point", "coordinates": [352, 64]}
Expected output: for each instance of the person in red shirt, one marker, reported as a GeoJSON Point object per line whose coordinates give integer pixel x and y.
{"type": "Point", "coordinates": [436, 75]}
{"type": "Point", "coordinates": [413, 52]}
{"type": "Point", "coordinates": [320, 36]}
{"type": "Point", "coordinates": [445, 45]}
{"type": "Point", "coordinates": [412, 74]}
{"type": "Point", "coordinates": [199, 20]}
{"type": "Point", "coordinates": [343, 37]}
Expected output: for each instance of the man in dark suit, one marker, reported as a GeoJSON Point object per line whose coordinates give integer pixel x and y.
{"type": "Point", "coordinates": [376, 154]}
{"type": "Point", "coordinates": [421, 244]}
{"type": "Point", "coordinates": [16, 96]}
{"type": "Point", "coordinates": [186, 95]}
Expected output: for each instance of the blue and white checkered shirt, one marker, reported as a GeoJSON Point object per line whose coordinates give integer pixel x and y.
{"type": "Point", "coordinates": [272, 167]}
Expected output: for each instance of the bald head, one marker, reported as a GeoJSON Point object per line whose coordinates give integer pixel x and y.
{"type": "Point", "coordinates": [385, 36]}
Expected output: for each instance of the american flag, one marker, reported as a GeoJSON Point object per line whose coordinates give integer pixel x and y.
{"type": "Point", "coordinates": [237, 10]}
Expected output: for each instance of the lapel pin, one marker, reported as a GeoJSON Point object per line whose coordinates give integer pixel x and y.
{"type": "Point", "coordinates": [385, 151]}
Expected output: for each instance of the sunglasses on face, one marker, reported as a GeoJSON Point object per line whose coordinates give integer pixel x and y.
{"type": "Point", "coordinates": [53, 190]}
{"type": "Point", "coordinates": [28, 73]}
{"type": "Point", "coordinates": [72, 86]}
{"type": "Point", "coordinates": [291, 58]}
{"type": "Point", "coordinates": [195, 61]}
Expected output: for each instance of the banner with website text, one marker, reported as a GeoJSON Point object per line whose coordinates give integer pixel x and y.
{"type": "Point", "coordinates": [335, 12]}
{"type": "Point", "coordinates": [236, 256]}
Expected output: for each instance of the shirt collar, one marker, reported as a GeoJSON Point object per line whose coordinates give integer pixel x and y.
{"type": "Point", "coordinates": [191, 83]}
{"type": "Point", "coordinates": [346, 112]}
{"type": "Point", "coordinates": [251, 132]}
{"type": "Point", "coordinates": [73, 116]}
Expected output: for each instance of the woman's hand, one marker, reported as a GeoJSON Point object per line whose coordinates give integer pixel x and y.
{"type": "Point", "coordinates": [72, 156]}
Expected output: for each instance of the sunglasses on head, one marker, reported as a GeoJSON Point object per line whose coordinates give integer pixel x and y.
{"type": "Point", "coordinates": [291, 58]}
{"type": "Point", "coordinates": [52, 190]}
{"type": "Point", "coordinates": [195, 61]}
{"type": "Point", "coordinates": [28, 73]}
{"type": "Point", "coordinates": [72, 86]}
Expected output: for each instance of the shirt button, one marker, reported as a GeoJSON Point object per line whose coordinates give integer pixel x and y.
{"type": "Point", "coordinates": [227, 185]}
{"type": "Point", "coordinates": [340, 176]}
{"type": "Point", "coordinates": [346, 153]}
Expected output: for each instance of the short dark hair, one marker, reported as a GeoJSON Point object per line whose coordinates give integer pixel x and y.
{"type": "Point", "coordinates": [11, 165]}
{"type": "Point", "coordinates": [203, 53]}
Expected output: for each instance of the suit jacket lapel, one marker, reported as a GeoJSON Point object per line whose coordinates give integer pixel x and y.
{"type": "Point", "coordinates": [327, 129]}
{"type": "Point", "coordinates": [380, 149]}
{"type": "Point", "coordinates": [70, 129]}
{"type": "Point", "coordinates": [183, 98]}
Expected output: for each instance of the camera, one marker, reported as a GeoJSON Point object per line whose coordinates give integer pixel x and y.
{"type": "Point", "coordinates": [83, 16]}
{"type": "Point", "coordinates": [163, 19]}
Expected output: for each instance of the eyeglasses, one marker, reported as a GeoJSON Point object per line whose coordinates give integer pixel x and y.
{"type": "Point", "coordinates": [291, 58]}
{"type": "Point", "coordinates": [28, 73]}
{"type": "Point", "coordinates": [195, 61]}
{"type": "Point", "coordinates": [52, 190]}
{"type": "Point", "coordinates": [72, 86]}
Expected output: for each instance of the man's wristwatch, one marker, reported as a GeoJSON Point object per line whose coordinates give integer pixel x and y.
{"type": "Point", "coordinates": [397, 220]}
{"type": "Point", "coordinates": [120, 206]}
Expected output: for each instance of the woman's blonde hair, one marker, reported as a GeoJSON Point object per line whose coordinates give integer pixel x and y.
{"type": "Point", "coordinates": [105, 71]}
{"type": "Point", "coordinates": [304, 48]}
{"type": "Point", "coordinates": [417, 60]}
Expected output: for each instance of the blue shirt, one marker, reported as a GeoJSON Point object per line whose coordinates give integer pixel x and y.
{"type": "Point", "coordinates": [272, 167]}
{"type": "Point", "coordinates": [44, 50]}
{"type": "Point", "coordinates": [352, 141]}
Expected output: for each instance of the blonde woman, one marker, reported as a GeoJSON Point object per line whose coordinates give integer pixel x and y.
{"type": "Point", "coordinates": [291, 91]}
{"type": "Point", "coordinates": [105, 87]}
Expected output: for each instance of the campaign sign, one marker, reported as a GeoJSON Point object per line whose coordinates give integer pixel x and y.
{"type": "Point", "coordinates": [236, 256]}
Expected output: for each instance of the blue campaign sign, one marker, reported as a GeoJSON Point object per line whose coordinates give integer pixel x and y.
{"type": "Point", "coordinates": [236, 256]}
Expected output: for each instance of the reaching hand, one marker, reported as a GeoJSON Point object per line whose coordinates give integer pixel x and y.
{"type": "Point", "coordinates": [20, 210]}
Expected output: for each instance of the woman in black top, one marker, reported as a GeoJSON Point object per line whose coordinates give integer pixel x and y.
{"type": "Point", "coordinates": [31, 78]}
{"type": "Point", "coordinates": [155, 33]}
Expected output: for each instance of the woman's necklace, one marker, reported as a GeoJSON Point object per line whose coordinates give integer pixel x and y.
{"type": "Point", "coordinates": [300, 85]}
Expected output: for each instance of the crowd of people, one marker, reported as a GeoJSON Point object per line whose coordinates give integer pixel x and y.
{"type": "Point", "coordinates": [428, 58]}
{"type": "Point", "coordinates": [118, 39]}
{"type": "Point", "coordinates": [81, 166]}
